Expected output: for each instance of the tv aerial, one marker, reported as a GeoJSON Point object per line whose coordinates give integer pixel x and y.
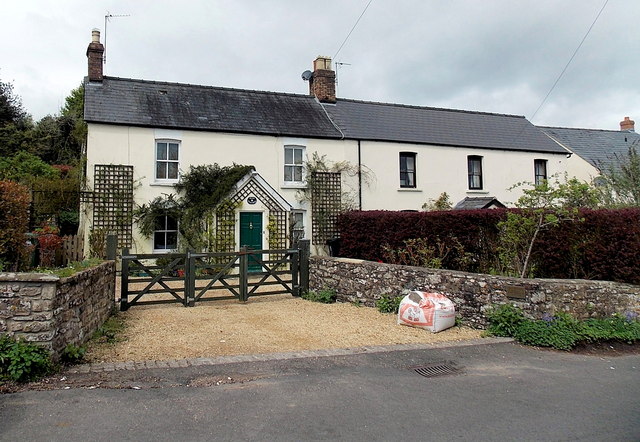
{"type": "Point", "coordinates": [107, 17]}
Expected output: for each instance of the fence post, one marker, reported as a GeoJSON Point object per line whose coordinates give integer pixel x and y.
{"type": "Point", "coordinates": [124, 282]}
{"type": "Point", "coordinates": [189, 279]}
{"type": "Point", "coordinates": [304, 245]}
{"type": "Point", "coordinates": [244, 274]}
{"type": "Point", "coordinates": [295, 280]}
{"type": "Point", "coordinates": [112, 245]}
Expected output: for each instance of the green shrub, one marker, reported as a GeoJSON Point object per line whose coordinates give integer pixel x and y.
{"type": "Point", "coordinates": [388, 304]}
{"type": "Point", "coordinates": [558, 334]}
{"type": "Point", "coordinates": [73, 354]}
{"type": "Point", "coordinates": [504, 320]}
{"type": "Point", "coordinates": [21, 361]}
{"type": "Point", "coordinates": [561, 331]}
{"type": "Point", "coordinates": [325, 296]}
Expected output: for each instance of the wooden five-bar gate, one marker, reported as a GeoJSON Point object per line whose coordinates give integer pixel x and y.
{"type": "Point", "coordinates": [193, 277]}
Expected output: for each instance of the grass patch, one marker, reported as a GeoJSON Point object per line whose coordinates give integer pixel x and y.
{"type": "Point", "coordinates": [110, 332]}
{"type": "Point", "coordinates": [71, 269]}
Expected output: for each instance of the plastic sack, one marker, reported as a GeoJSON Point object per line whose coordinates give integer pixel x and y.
{"type": "Point", "coordinates": [430, 311]}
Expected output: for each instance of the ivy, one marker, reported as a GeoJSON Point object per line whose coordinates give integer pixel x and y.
{"type": "Point", "coordinates": [201, 192]}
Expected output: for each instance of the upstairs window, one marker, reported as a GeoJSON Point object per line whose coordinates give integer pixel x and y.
{"type": "Point", "coordinates": [165, 234]}
{"type": "Point", "coordinates": [539, 171]}
{"type": "Point", "coordinates": [407, 169]}
{"type": "Point", "coordinates": [167, 153]}
{"type": "Point", "coordinates": [293, 164]}
{"type": "Point", "coordinates": [474, 166]}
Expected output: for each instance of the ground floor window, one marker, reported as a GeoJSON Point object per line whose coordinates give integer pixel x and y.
{"type": "Point", "coordinates": [165, 235]}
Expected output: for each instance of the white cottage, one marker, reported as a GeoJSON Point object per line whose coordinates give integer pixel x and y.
{"type": "Point", "coordinates": [143, 134]}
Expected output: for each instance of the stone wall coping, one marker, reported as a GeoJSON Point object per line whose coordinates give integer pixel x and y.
{"type": "Point", "coordinates": [508, 279]}
{"type": "Point", "coordinates": [27, 277]}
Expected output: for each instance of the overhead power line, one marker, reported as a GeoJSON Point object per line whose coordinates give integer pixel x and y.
{"type": "Point", "coordinates": [569, 62]}
{"type": "Point", "coordinates": [354, 26]}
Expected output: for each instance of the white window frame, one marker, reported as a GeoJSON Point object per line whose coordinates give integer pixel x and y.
{"type": "Point", "coordinates": [165, 232]}
{"type": "Point", "coordinates": [293, 164]}
{"type": "Point", "coordinates": [166, 160]}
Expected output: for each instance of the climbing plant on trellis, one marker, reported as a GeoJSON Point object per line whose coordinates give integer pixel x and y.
{"type": "Point", "coordinates": [112, 199]}
{"type": "Point", "coordinates": [326, 205]}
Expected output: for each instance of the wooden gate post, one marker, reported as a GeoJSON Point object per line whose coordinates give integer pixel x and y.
{"type": "Point", "coordinates": [124, 281]}
{"type": "Point", "coordinates": [112, 245]}
{"type": "Point", "coordinates": [244, 274]}
{"type": "Point", "coordinates": [189, 279]}
{"type": "Point", "coordinates": [304, 245]}
{"type": "Point", "coordinates": [295, 269]}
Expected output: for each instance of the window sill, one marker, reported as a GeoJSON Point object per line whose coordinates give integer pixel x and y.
{"type": "Point", "coordinates": [293, 186]}
{"type": "Point", "coordinates": [409, 189]}
{"type": "Point", "coordinates": [477, 192]}
{"type": "Point", "coordinates": [163, 183]}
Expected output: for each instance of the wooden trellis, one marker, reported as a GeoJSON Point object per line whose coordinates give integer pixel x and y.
{"type": "Point", "coordinates": [225, 218]}
{"type": "Point", "coordinates": [325, 206]}
{"type": "Point", "coordinates": [113, 201]}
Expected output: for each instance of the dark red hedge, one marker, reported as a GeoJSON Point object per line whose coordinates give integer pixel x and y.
{"type": "Point", "coordinates": [605, 246]}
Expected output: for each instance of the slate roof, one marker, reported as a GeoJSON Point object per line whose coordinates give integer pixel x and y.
{"type": "Point", "coordinates": [598, 147]}
{"type": "Point", "coordinates": [480, 202]}
{"type": "Point", "coordinates": [185, 106]}
{"type": "Point", "coordinates": [448, 127]}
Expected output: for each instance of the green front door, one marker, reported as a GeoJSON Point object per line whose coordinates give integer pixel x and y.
{"type": "Point", "coordinates": [251, 236]}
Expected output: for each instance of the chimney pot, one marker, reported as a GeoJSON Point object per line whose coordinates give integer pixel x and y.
{"type": "Point", "coordinates": [322, 83]}
{"type": "Point", "coordinates": [95, 53]}
{"type": "Point", "coordinates": [627, 125]}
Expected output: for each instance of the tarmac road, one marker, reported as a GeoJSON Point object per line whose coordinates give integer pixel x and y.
{"type": "Point", "coordinates": [501, 391]}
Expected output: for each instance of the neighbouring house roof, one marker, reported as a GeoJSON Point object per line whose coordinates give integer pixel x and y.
{"type": "Point", "coordinates": [481, 202]}
{"type": "Point", "coordinates": [601, 148]}
{"type": "Point", "coordinates": [448, 127]}
{"type": "Point", "coordinates": [185, 106]}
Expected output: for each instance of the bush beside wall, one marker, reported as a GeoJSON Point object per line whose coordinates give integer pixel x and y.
{"type": "Point", "coordinates": [605, 246]}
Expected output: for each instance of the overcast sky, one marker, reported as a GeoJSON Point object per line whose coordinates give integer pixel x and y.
{"type": "Point", "coordinates": [483, 55]}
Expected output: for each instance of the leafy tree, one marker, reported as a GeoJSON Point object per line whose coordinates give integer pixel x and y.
{"type": "Point", "coordinates": [619, 184]}
{"type": "Point", "coordinates": [24, 167]}
{"type": "Point", "coordinates": [540, 207]}
{"type": "Point", "coordinates": [11, 110]}
{"type": "Point", "coordinates": [441, 203]}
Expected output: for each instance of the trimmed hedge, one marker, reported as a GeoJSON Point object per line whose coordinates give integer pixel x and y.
{"type": "Point", "coordinates": [605, 246]}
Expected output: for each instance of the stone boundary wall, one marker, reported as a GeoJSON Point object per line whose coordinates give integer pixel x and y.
{"type": "Point", "coordinates": [362, 281]}
{"type": "Point", "coordinates": [55, 312]}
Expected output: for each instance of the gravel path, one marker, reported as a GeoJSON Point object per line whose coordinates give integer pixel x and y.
{"type": "Point", "coordinates": [276, 323]}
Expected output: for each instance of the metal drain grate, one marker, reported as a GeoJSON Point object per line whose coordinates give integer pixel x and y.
{"type": "Point", "coordinates": [436, 369]}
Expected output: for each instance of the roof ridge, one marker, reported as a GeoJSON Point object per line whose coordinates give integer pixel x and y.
{"type": "Point", "coordinates": [413, 106]}
{"type": "Point", "coordinates": [203, 86]}
{"type": "Point", "coordinates": [586, 128]}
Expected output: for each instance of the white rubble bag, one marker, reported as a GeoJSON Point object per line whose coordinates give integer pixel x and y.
{"type": "Point", "coordinates": [431, 311]}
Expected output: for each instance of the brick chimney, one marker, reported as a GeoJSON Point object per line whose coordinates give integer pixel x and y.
{"type": "Point", "coordinates": [627, 124]}
{"type": "Point", "coordinates": [95, 51]}
{"type": "Point", "coordinates": [322, 84]}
